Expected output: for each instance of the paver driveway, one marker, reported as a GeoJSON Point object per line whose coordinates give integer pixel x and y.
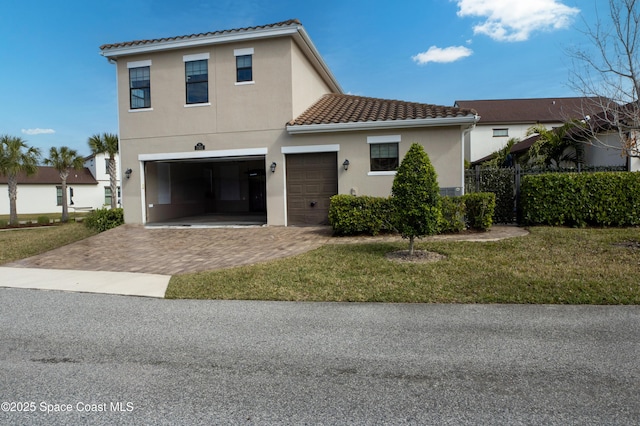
{"type": "Point", "coordinates": [133, 248]}
{"type": "Point", "coordinates": [170, 251]}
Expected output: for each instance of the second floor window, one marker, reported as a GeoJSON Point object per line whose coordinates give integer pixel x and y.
{"type": "Point", "coordinates": [244, 68]}
{"type": "Point", "coordinates": [197, 80]}
{"type": "Point", "coordinates": [140, 87]}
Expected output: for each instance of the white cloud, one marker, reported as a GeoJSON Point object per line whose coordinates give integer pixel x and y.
{"type": "Point", "coordinates": [38, 131]}
{"type": "Point", "coordinates": [440, 55]}
{"type": "Point", "coordinates": [509, 20]}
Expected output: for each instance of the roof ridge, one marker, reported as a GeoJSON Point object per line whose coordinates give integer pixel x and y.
{"type": "Point", "coordinates": [204, 34]}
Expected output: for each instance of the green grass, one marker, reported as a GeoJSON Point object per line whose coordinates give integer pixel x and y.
{"type": "Point", "coordinates": [34, 217]}
{"type": "Point", "coordinates": [18, 244]}
{"type": "Point", "coordinates": [551, 265]}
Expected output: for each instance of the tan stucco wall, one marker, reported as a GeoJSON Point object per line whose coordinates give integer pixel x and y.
{"type": "Point", "coordinates": [265, 104]}
{"type": "Point", "coordinates": [307, 85]}
{"type": "Point", "coordinates": [443, 145]}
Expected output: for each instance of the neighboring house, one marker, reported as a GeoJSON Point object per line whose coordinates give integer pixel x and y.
{"type": "Point", "coordinates": [42, 192]}
{"type": "Point", "coordinates": [251, 123]}
{"type": "Point", "coordinates": [502, 119]}
{"type": "Point", "coordinates": [98, 166]}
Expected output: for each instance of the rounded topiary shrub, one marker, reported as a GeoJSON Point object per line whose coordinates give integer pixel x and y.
{"type": "Point", "coordinates": [416, 196]}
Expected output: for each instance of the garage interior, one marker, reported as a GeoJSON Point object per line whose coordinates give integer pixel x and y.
{"type": "Point", "coordinates": [206, 192]}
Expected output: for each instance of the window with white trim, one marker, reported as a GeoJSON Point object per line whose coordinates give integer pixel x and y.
{"type": "Point", "coordinates": [140, 87]}
{"type": "Point", "coordinates": [500, 133]}
{"type": "Point", "coordinates": [196, 70]}
{"type": "Point", "coordinates": [139, 84]}
{"type": "Point", "coordinates": [384, 153]}
{"type": "Point", "coordinates": [244, 65]}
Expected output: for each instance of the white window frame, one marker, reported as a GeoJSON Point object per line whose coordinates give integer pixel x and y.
{"type": "Point", "coordinates": [138, 64]}
{"type": "Point", "coordinates": [383, 139]}
{"type": "Point", "coordinates": [197, 57]}
{"type": "Point", "coordinates": [245, 52]}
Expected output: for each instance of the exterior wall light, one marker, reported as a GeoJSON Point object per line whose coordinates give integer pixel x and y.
{"type": "Point", "coordinates": [346, 164]}
{"type": "Point", "coordinates": [128, 173]}
{"type": "Point", "coordinates": [273, 167]}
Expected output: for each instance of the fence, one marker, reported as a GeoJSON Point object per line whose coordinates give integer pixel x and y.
{"type": "Point", "coordinates": [505, 183]}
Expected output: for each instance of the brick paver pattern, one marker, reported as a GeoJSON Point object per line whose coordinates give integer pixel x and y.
{"type": "Point", "coordinates": [134, 248]}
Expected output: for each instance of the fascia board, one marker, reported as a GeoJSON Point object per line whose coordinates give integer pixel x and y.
{"type": "Point", "coordinates": [199, 41]}
{"type": "Point", "coordinates": [382, 125]}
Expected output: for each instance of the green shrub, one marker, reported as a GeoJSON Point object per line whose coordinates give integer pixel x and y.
{"type": "Point", "coordinates": [415, 196]}
{"type": "Point", "coordinates": [453, 213]}
{"type": "Point", "coordinates": [351, 215]}
{"type": "Point", "coordinates": [500, 181]}
{"type": "Point", "coordinates": [3, 223]}
{"type": "Point", "coordinates": [103, 219]}
{"type": "Point", "coordinates": [480, 208]}
{"type": "Point", "coordinates": [44, 220]}
{"type": "Point", "coordinates": [580, 199]}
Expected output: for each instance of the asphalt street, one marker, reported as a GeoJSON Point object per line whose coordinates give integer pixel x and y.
{"type": "Point", "coordinates": [69, 358]}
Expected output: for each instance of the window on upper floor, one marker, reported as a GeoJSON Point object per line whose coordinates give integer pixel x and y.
{"type": "Point", "coordinates": [140, 87]}
{"type": "Point", "coordinates": [244, 71]}
{"type": "Point", "coordinates": [197, 81]}
{"type": "Point", "coordinates": [244, 65]}
{"type": "Point", "coordinates": [500, 133]}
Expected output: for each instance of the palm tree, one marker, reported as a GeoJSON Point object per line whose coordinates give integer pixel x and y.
{"type": "Point", "coordinates": [562, 144]}
{"type": "Point", "coordinates": [108, 143]}
{"type": "Point", "coordinates": [15, 157]}
{"type": "Point", "coordinates": [62, 160]}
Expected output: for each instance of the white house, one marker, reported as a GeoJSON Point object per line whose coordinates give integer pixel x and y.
{"type": "Point", "coordinates": [42, 193]}
{"type": "Point", "coordinates": [503, 119]}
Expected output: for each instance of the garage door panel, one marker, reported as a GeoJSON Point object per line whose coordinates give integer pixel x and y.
{"type": "Point", "coordinates": [312, 179]}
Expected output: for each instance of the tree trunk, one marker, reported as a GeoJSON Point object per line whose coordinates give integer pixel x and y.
{"type": "Point", "coordinates": [13, 196]}
{"type": "Point", "coordinates": [65, 208]}
{"type": "Point", "coordinates": [112, 182]}
{"type": "Point", "coordinates": [411, 241]}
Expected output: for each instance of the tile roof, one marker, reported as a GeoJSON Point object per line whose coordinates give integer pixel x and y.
{"type": "Point", "coordinates": [338, 108]}
{"type": "Point", "coordinates": [48, 175]}
{"type": "Point", "coordinates": [538, 110]}
{"type": "Point", "coordinates": [193, 36]}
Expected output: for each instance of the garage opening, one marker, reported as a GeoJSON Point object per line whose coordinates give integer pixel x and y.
{"type": "Point", "coordinates": [312, 179]}
{"type": "Point", "coordinates": [206, 192]}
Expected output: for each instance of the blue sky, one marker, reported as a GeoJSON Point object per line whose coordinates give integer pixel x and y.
{"type": "Point", "coordinates": [56, 89]}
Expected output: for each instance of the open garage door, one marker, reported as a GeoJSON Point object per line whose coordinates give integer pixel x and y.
{"type": "Point", "coordinates": [312, 179]}
{"type": "Point", "coordinates": [206, 191]}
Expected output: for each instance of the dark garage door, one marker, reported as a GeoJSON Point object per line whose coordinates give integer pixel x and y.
{"type": "Point", "coordinates": [311, 180]}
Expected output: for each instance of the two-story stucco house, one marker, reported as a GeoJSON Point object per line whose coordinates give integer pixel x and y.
{"type": "Point", "coordinates": [250, 126]}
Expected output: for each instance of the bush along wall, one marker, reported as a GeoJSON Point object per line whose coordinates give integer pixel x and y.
{"type": "Point", "coordinates": [480, 207]}
{"type": "Point", "coordinates": [572, 199]}
{"type": "Point", "coordinates": [351, 215]}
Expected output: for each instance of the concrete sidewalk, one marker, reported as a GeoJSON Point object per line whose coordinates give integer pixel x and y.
{"type": "Point", "coordinates": [106, 282]}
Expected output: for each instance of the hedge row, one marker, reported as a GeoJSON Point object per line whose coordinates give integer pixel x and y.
{"type": "Point", "coordinates": [580, 199]}
{"type": "Point", "coordinates": [351, 215]}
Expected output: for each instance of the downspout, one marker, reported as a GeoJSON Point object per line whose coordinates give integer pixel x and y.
{"type": "Point", "coordinates": [465, 132]}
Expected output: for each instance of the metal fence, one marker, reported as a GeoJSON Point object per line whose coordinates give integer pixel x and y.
{"type": "Point", "coordinates": [505, 183]}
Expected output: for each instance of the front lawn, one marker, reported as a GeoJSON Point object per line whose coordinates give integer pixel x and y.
{"type": "Point", "coordinates": [19, 243]}
{"type": "Point", "coordinates": [551, 265]}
